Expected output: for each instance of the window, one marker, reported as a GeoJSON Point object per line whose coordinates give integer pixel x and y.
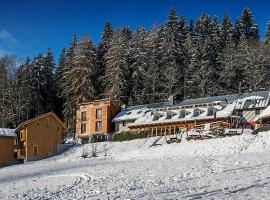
{"type": "Point", "coordinates": [124, 123]}
{"type": "Point", "coordinates": [83, 116]}
{"type": "Point", "coordinates": [99, 113]}
{"type": "Point", "coordinates": [240, 113]}
{"type": "Point", "coordinates": [15, 141]}
{"type": "Point", "coordinates": [35, 150]}
{"type": "Point", "coordinates": [257, 111]}
{"type": "Point", "coordinates": [98, 126]}
{"type": "Point", "coordinates": [37, 123]}
{"type": "Point", "coordinates": [83, 128]}
{"type": "Point", "coordinates": [211, 111]}
{"type": "Point", "coordinates": [182, 114]}
{"type": "Point", "coordinates": [169, 115]}
{"type": "Point", "coordinates": [47, 121]}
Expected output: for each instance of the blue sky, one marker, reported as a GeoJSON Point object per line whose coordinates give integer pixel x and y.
{"type": "Point", "coordinates": [28, 27]}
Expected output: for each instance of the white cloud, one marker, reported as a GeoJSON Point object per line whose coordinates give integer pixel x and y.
{"type": "Point", "coordinates": [8, 43]}
{"type": "Point", "coordinates": [7, 37]}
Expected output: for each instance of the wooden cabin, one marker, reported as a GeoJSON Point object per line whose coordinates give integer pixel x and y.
{"type": "Point", "coordinates": [8, 142]}
{"type": "Point", "coordinates": [39, 138]}
{"type": "Point", "coordinates": [94, 119]}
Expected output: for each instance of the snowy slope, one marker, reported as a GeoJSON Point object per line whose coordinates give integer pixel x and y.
{"type": "Point", "coordinates": [226, 168]}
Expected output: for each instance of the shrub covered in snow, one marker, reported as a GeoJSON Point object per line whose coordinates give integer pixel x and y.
{"type": "Point", "coordinates": [85, 152]}
{"type": "Point", "coordinates": [129, 135]}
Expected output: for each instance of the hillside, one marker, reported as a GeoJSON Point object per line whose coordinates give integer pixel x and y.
{"type": "Point", "coordinates": [225, 168]}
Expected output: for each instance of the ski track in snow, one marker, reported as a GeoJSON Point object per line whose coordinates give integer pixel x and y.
{"type": "Point", "coordinates": [227, 168]}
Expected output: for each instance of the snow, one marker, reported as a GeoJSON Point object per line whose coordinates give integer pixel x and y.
{"type": "Point", "coordinates": [254, 101]}
{"type": "Point", "coordinates": [144, 115]}
{"type": "Point", "coordinates": [147, 118]}
{"type": "Point", "coordinates": [265, 113]}
{"type": "Point", "coordinates": [130, 115]}
{"type": "Point", "coordinates": [225, 168]}
{"type": "Point", "coordinates": [7, 132]}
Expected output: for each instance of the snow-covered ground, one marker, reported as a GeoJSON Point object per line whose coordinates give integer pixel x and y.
{"type": "Point", "coordinates": [227, 168]}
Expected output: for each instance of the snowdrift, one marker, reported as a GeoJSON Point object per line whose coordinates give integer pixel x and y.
{"type": "Point", "coordinates": [140, 149]}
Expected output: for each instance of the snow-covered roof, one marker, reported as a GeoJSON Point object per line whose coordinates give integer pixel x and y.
{"type": "Point", "coordinates": [223, 106]}
{"type": "Point", "coordinates": [252, 102]}
{"type": "Point", "coordinates": [131, 114]}
{"type": "Point", "coordinates": [223, 98]}
{"type": "Point", "coordinates": [148, 118]}
{"type": "Point", "coordinates": [7, 132]}
{"type": "Point", "coordinates": [265, 113]}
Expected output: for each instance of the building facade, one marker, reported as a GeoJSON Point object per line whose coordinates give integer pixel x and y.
{"type": "Point", "coordinates": [39, 138]}
{"type": "Point", "coordinates": [236, 111]}
{"type": "Point", "coordinates": [8, 144]}
{"type": "Point", "coordinates": [231, 111]}
{"type": "Point", "coordinates": [94, 119]}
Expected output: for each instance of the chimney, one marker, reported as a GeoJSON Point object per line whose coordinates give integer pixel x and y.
{"type": "Point", "coordinates": [171, 100]}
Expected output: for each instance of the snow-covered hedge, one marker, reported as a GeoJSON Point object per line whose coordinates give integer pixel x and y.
{"type": "Point", "coordinates": [129, 135]}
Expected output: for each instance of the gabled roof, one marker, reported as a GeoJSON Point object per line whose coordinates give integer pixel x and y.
{"type": "Point", "coordinates": [40, 117]}
{"type": "Point", "coordinates": [7, 132]}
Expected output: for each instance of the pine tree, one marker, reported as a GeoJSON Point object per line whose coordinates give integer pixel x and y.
{"type": "Point", "coordinates": [213, 50]}
{"type": "Point", "coordinates": [60, 80]}
{"type": "Point", "coordinates": [229, 76]}
{"type": "Point", "coordinates": [267, 34]}
{"type": "Point", "coordinates": [189, 86]}
{"type": "Point", "coordinates": [174, 58]}
{"type": "Point", "coordinates": [37, 82]}
{"type": "Point", "coordinates": [191, 27]}
{"type": "Point", "coordinates": [22, 85]}
{"type": "Point", "coordinates": [202, 59]}
{"type": "Point", "coordinates": [6, 93]}
{"type": "Point", "coordinates": [255, 71]}
{"type": "Point", "coordinates": [117, 68]}
{"type": "Point", "coordinates": [226, 31]}
{"type": "Point", "coordinates": [8, 107]}
{"type": "Point", "coordinates": [138, 67]}
{"type": "Point", "coordinates": [246, 27]}
{"type": "Point", "coordinates": [49, 87]}
{"type": "Point", "coordinates": [249, 27]}
{"type": "Point", "coordinates": [154, 82]}
{"type": "Point", "coordinates": [244, 68]}
{"type": "Point", "coordinates": [69, 107]}
{"type": "Point", "coordinates": [82, 75]}
{"type": "Point", "coordinates": [237, 32]}
{"type": "Point", "coordinates": [102, 49]}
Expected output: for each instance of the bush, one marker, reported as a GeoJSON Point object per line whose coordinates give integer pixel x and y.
{"type": "Point", "coordinates": [85, 152]}
{"type": "Point", "coordinates": [129, 135]}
